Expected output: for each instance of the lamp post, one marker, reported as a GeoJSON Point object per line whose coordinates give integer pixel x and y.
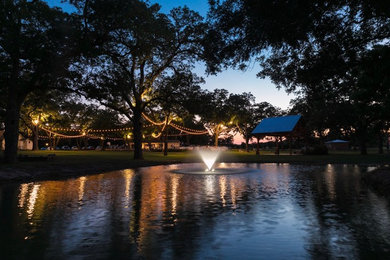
{"type": "Point", "coordinates": [35, 134]}
{"type": "Point", "coordinates": [128, 138]}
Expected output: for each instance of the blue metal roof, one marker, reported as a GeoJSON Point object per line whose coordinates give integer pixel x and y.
{"type": "Point", "coordinates": [279, 124]}
{"type": "Point", "coordinates": [336, 141]}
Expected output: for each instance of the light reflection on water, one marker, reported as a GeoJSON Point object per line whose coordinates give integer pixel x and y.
{"type": "Point", "coordinates": [280, 211]}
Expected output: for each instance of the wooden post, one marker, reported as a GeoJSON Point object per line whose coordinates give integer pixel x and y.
{"type": "Point", "coordinates": [289, 144]}
{"type": "Point", "coordinates": [165, 148]}
{"type": "Point", "coordinates": [35, 137]}
{"type": "Point", "coordinates": [277, 145]}
{"type": "Point", "coordinates": [258, 146]}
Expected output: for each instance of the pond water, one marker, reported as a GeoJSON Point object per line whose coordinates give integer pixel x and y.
{"type": "Point", "coordinates": [279, 211]}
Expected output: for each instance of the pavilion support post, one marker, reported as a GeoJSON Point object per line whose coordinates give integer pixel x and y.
{"type": "Point", "coordinates": [165, 148]}
{"type": "Point", "coordinates": [277, 145]}
{"type": "Point", "coordinates": [290, 144]}
{"type": "Point", "coordinates": [258, 146]}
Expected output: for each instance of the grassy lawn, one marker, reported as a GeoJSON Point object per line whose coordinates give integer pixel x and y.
{"type": "Point", "coordinates": [73, 163]}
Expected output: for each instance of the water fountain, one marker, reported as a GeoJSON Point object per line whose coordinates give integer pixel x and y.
{"type": "Point", "coordinates": [209, 157]}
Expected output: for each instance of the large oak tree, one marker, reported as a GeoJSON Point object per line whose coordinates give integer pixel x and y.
{"type": "Point", "coordinates": [36, 47]}
{"type": "Point", "coordinates": [134, 47]}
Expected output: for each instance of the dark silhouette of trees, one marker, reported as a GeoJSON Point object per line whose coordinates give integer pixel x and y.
{"type": "Point", "coordinates": [134, 47]}
{"type": "Point", "coordinates": [36, 48]}
{"type": "Point", "coordinates": [316, 49]}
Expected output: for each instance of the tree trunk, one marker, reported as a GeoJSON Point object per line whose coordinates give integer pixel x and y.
{"type": "Point", "coordinates": [11, 133]}
{"type": "Point", "coordinates": [56, 142]}
{"type": "Point", "coordinates": [137, 133]}
{"type": "Point", "coordinates": [380, 141]}
{"type": "Point", "coordinates": [35, 138]}
{"type": "Point", "coordinates": [85, 139]}
{"type": "Point", "coordinates": [102, 144]}
{"type": "Point", "coordinates": [216, 137]}
{"type": "Point", "coordinates": [362, 134]}
{"type": "Point", "coordinates": [165, 143]}
{"type": "Point", "coordinates": [363, 147]}
{"type": "Point", "coordinates": [51, 141]}
{"type": "Point", "coordinates": [1, 143]}
{"type": "Point", "coordinates": [246, 144]}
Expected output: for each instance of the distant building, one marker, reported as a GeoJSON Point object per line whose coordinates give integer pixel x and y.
{"type": "Point", "coordinates": [337, 144]}
{"type": "Point", "coordinates": [158, 145]}
{"type": "Point", "coordinates": [23, 143]}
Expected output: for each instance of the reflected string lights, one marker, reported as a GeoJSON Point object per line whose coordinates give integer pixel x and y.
{"type": "Point", "coordinates": [153, 213]}
{"type": "Point", "coordinates": [128, 176]}
{"type": "Point", "coordinates": [81, 188]}
{"type": "Point", "coordinates": [330, 181]}
{"type": "Point", "coordinates": [233, 193]}
{"type": "Point", "coordinates": [222, 189]}
{"type": "Point", "coordinates": [22, 194]}
{"type": "Point", "coordinates": [174, 184]}
{"type": "Point", "coordinates": [32, 200]}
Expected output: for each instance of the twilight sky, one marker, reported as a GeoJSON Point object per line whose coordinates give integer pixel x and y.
{"type": "Point", "coordinates": [235, 81]}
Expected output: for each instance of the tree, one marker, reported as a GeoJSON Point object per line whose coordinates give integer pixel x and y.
{"type": "Point", "coordinates": [36, 45]}
{"type": "Point", "coordinates": [243, 119]}
{"type": "Point", "coordinates": [106, 119]}
{"type": "Point", "coordinates": [177, 98]}
{"type": "Point", "coordinates": [307, 47]}
{"type": "Point", "coordinates": [215, 113]}
{"type": "Point", "coordinates": [135, 46]}
{"type": "Point", "coordinates": [39, 109]}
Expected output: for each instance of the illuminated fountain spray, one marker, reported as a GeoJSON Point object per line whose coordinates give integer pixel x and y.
{"type": "Point", "coordinates": [209, 157]}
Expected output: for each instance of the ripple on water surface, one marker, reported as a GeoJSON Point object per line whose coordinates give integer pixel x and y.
{"type": "Point", "coordinates": [272, 211]}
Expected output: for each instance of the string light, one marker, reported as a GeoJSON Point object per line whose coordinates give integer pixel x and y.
{"type": "Point", "coordinates": [61, 135]}
{"type": "Point", "coordinates": [151, 121]}
{"type": "Point", "coordinates": [84, 133]}
{"type": "Point", "coordinates": [188, 130]}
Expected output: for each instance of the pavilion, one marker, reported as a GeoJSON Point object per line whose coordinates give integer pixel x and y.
{"type": "Point", "coordinates": [282, 126]}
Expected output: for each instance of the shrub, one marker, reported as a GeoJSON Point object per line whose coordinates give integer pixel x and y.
{"type": "Point", "coordinates": [315, 150]}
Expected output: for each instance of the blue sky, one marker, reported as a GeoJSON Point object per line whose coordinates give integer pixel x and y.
{"type": "Point", "coordinates": [235, 81]}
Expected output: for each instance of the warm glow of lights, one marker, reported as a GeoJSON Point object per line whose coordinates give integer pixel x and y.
{"type": "Point", "coordinates": [210, 184]}
{"type": "Point", "coordinates": [35, 121]}
{"type": "Point", "coordinates": [22, 195]}
{"type": "Point", "coordinates": [330, 181]}
{"type": "Point", "coordinates": [175, 184]}
{"type": "Point", "coordinates": [222, 188]}
{"type": "Point", "coordinates": [81, 187]}
{"type": "Point", "coordinates": [209, 158]}
{"type": "Point", "coordinates": [128, 175]}
{"type": "Point", "coordinates": [32, 199]}
{"type": "Point", "coordinates": [233, 193]}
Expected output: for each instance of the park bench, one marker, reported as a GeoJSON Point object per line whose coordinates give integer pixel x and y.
{"type": "Point", "coordinates": [28, 158]}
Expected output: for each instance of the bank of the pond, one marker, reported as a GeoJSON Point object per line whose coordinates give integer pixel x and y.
{"type": "Point", "coordinates": [379, 180]}
{"type": "Point", "coordinates": [66, 164]}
